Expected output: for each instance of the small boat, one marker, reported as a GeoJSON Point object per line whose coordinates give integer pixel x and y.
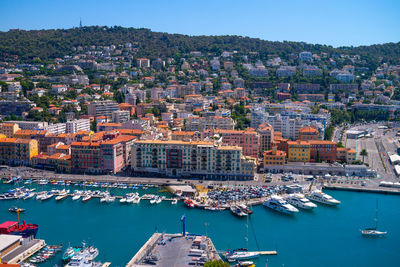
{"type": "Point", "coordinates": [245, 208]}
{"type": "Point", "coordinates": [245, 264]}
{"type": "Point", "coordinates": [189, 203]}
{"type": "Point", "coordinates": [174, 201]}
{"type": "Point", "coordinates": [158, 200]}
{"type": "Point", "coordinates": [238, 211]}
{"type": "Point", "coordinates": [69, 253]}
{"type": "Point", "coordinates": [28, 196]}
{"type": "Point", "coordinates": [240, 255]}
{"type": "Point", "coordinates": [86, 197]}
{"type": "Point", "coordinates": [319, 196]}
{"type": "Point", "coordinates": [16, 209]}
{"type": "Point", "coordinates": [47, 196]}
{"type": "Point", "coordinates": [136, 199]}
{"type": "Point", "coordinates": [373, 231]}
{"type": "Point", "coordinates": [153, 200]}
{"type": "Point", "coordinates": [77, 195]}
{"type": "Point", "coordinates": [41, 195]}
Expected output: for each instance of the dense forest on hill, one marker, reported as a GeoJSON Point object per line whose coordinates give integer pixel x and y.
{"type": "Point", "coordinates": [47, 44]}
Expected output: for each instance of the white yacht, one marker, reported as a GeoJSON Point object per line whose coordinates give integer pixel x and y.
{"type": "Point", "coordinates": [300, 201]}
{"type": "Point", "coordinates": [174, 201]}
{"type": "Point", "coordinates": [319, 196]}
{"type": "Point", "coordinates": [279, 204]}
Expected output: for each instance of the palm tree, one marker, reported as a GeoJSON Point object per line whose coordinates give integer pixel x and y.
{"type": "Point", "coordinates": [363, 153]}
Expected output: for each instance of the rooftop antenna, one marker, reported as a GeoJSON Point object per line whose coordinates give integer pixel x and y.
{"type": "Point", "coordinates": [80, 22]}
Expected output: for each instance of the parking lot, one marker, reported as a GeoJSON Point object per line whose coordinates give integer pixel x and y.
{"type": "Point", "coordinates": [379, 147]}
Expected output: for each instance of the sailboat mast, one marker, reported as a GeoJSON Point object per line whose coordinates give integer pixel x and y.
{"type": "Point", "coordinates": [376, 215]}
{"type": "Point", "coordinates": [247, 233]}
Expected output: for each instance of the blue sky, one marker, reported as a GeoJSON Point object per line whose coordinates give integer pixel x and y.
{"type": "Point", "coordinates": [332, 22]}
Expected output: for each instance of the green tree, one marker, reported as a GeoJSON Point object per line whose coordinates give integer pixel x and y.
{"type": "Point", "coordinates": [363, 153]}
{"type": "Point", "coordinates": [216, 263]}
{"type": "Point", "coordinates": [93, 125]}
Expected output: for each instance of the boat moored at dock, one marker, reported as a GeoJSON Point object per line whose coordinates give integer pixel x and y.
{"type": "Point", "coordinates": [319, 196]}
{"type": "Point", "coordinates": [300, 201]}
{"type": "Point", "coordinates": [277, 203]}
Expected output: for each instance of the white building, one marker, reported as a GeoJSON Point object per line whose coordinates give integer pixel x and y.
{"type": "Point", "coordinates": [58, 88]}
{"type": "Point", "coordinates": [30, 125]}
{"type": "Point", "coordinates": [75, 126]}
{"type": "Point", "coordinates": [56, 128]}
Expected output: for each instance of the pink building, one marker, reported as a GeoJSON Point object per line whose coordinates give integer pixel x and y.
{"type": "Point", "coordinates": [99, 157]}
{"type": "Point", "coordinates": [249, 140]}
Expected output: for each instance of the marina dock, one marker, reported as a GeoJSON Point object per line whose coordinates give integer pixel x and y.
{"type": "Point", "coordinates": [175, 250]}
{"type": "Point", "coordinates": [378, 190]}
{"type": "Point", "coordinates": [24, 251]}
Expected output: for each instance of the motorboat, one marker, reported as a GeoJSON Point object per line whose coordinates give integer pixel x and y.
{"type": "Point", "coordinates": [16, 209]}
{"type": "Point", "coordinates": [300, 201]}
{"type": "Point", "coordinates": [238, 211]}
{"type": "Point", "coordinates": [174, 201]}
{"type": "Point", "coordinates": [28, 196]}
{"type": "Point", "coordinates": [277, 203]}
{"type": "Point", "coordinates": [136, 199]}
{"type": "Point", "coordinates": [153, 200]}
{"type": "Point", "coordinates": [158, 200]}
{"type": "Point", "coordinates": [40, 195]}
{"type": "Point", "coordinates": [47, 196]}
{"type": "Point", "coordinates": [86, 197]}
{"type": "Point", "coordinates": [77, 195]}
{"type": "Point", "coordinates": [319, 196]}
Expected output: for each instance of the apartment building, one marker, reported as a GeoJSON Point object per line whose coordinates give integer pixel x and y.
{"type": "Point", "coordinates": [266, 134]}
{"type": "Point", "coordinates": [208, 123]}
{"type": "Point", "coordinates": [30, 125]}
{"type": "Point", "coordinates": [120, 116]}
{"type": "Point", "coordinates": [97, 157]}
{"type": "Point", "coordinates": [322, 150]}
{"type": "Point", "coordinates": [274, 157]}
{"type": "Point", "coordinates": [248, 140]}
{"type": "Point", "coordinates": [76, 126]}
{"type": "Point", "coordinates": [191, 159]}
{"type": "Point", "coordinates": [9, 129]}
{"type": "Point", "coordinates": [298, 151]}
{"type": "Point", "coordinates": [308, 133]}
{"type": "Point", "coordinates": [15, 151]}
{"type": "Point", "coordinates": [102, 108]}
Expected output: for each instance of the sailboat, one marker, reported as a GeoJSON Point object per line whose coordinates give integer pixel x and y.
{"type": "Point", "coordinates": [242, 253]}
{"type": "Point", "coordinates": [374, 232]}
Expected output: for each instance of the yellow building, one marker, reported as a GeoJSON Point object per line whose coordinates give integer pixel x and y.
{"type": "Point", "coordinates": [274, 157]}
{"type": "Point", "coordinates": [15, 151]}
{"type": "Point", "coordinates": [308, 133]}
{"type": "Point", "coordinates": [298, 151]}
{"type": "Point", "coordinates": [9, 129]}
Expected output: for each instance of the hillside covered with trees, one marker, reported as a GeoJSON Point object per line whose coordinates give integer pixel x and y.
{"type": "Point", "coordinates": [47, 44]}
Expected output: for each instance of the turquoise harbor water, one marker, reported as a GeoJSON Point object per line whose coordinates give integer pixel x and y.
{"type": "Point", "coordinates": [327, 236]}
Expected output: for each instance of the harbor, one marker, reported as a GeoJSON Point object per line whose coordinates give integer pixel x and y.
{"type": "Point", "coordinates": [129, 226]}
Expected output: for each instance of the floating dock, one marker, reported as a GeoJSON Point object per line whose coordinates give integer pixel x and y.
{"type": "Point", "coordinates": [175, 250]}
